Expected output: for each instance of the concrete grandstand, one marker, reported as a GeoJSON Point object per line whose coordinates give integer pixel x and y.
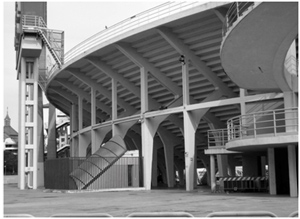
{"type": "Point", "coordinates": [189, 85]}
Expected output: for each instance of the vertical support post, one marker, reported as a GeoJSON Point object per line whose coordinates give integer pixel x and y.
{"type": "Point", "coordinates": [74, 128]}
{"type": "Point", "coordinates": [35, 121]}
{"type": "Point", "coordinates": [21, 137]}
{"type": "Point", "coordinates": [40, 140]}
{"type": "Point", "coordinates": [114, 104]}
{"type": "Point", "coordinates": [51, 147]}
{"type": "Point", "coordinates": [222, 164]}
{"type": "Point", "coordinates": [93, 120]}
{"type": "Point", "coordinates": [292, 170]}
{"type": "Point", "coordinates": [169, 156]}
{"type": "Point", "coordinates": [212, 173]}
{"type": "Point", "coordinates": [196, 172]}
{"type": "Point", "coordinates": [185, 83]}
{"type": "Point", "coordinates": [148, 132]}
{"type": "Point", "coordinates": [84, 141]}
{"type": "Point", "coordinates": [144, 90]}
{"type": "Point", "coordinates": [189, 146]}
{"type": "Point", "coordinates": [154, 166]}
{"type": "Point", "coordinates": [80, 113]}
{"type": "Point", "coordinates": [272, 173]}
{"type": "Point", "coordinates": [114, 99]}
{"type": "Point", "coordinates": [93, 106]}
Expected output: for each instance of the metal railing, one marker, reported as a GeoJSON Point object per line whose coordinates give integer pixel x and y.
{"type": "Point", "coordinates": [127, 25]}
{"type": "Point", "coordinates": [236, 10]}
{"type": "Point", "coordinates": [54, 39]}
{"type": "Point", "coordinates": [29, 21]}
{"type": "Point", "coordinates": [259, 124]}
{"type": "Point", "coordinates": [217, 137]}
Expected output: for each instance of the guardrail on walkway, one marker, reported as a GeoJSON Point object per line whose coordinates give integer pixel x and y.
{"type": "Point", "coordinates": [217, 137]}
{"type": "Point", "coordinates": [259, 124]}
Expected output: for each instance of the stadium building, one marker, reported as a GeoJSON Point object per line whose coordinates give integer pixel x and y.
{"type": "Point", "coordinates": [187, 84]}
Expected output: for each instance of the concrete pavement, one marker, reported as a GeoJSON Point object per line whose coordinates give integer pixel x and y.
{"type": "Point", "coordinates": [199, 203]}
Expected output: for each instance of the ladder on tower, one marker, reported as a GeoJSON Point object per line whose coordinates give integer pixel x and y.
{"type": "Point", "coordinates": [36, 23]}
{"type": "Point", "coordinates": [50, 48]}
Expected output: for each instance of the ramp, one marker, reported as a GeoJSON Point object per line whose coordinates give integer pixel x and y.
{"type": "Point", "coordinates": [94, 166]}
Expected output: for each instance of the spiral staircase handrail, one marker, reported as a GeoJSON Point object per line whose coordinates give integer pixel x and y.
{"type": "Point", "coordinates": [235, 12]}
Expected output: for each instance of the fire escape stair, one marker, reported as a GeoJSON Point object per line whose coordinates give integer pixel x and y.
{"type": "Point", "coordinates": [97, 164]}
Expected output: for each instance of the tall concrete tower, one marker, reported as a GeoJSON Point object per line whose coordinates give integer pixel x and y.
{"type": "Point", "coordinates": [32, 37]}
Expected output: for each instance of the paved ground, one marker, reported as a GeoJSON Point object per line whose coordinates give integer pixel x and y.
{"type": "Point", "coordinates": [44, 203]}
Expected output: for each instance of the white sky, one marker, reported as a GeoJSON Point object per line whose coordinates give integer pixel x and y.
{"type": "Point", "coordinates": [78, 20]}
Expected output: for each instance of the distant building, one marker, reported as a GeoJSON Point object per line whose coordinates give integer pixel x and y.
{"type": "Point", "coordinates": [10, 139]}
{"type": "Point", "coordinates": [10, 135]}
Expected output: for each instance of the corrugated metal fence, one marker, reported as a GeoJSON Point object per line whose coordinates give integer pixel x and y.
{"type": "Point", "coordinates": [124, 173]}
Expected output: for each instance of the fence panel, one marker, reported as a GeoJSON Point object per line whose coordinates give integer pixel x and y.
{"type": "Point", "coordinates": [123, 174]}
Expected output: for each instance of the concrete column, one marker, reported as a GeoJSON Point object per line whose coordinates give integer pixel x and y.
{"type": "Point", "coordinates": [207, 167]}
{"type": "Point", "coordinates": [93, 106]}
{"type": "Point", "coordinates": [189, 147]}
{"type": "Point", "coordinates": [231, 165]}
{"type": "Point", "coordinates": [148, 131]}
{"type": "Point", "coordinates": [75, 147]}
{"type": "Point", "coordinates": [144, 90]}
{"type": "Point", "coordinates": [114, 97]}
{"type": "Point", "coordinates": [154, 166]}
{"type": "Point", "coordinates": [80, 113]}
{"type": "Point", "coordinates": [40, 140]}
{"type": "Point", "coordinates": [21, 137]}
{"type": "Point", "coordinates": [243, 93]}
{"type": "Point", "coordinates": [212, 173]}
{"type": "Point", "coordinates": [271, 170]}
{"type": "Point", "coordinates": [36, 146]}
{"type": "Point", "coordinates": [222, 165]}
{"type": "Point", "coordinates": [51, 147]}
{"type": "Point", "coordinates": [185, 83]}
{"type": "Point", "coordinates": [196, 172]}
{"type": "Point", "coordinates": [74, 129]}
{"type": "Point", "coordinates": [169, 157]}
{"type": "Point", "coordinates": [292, 170]}
{"type": "Point", "coordinates": [84, 141]}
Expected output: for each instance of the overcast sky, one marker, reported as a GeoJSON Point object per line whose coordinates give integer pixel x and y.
{"type": "Point", "coordinates": [78, 20]}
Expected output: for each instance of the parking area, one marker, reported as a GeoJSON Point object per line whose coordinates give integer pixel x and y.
{"type": "Point", "coordinates": [199, 203]}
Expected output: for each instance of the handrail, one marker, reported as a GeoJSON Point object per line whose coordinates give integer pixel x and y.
{"type": "Point", "coordinates": [33, 22]}
{"type": "Point", "coordinates": [236, 11]}
{"type": "Point", "coordinates": [126, 25]}
{"type": "Point", "coordinates": [257, 124]}
{"type": "Point", "coordinates": [217, 137]}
